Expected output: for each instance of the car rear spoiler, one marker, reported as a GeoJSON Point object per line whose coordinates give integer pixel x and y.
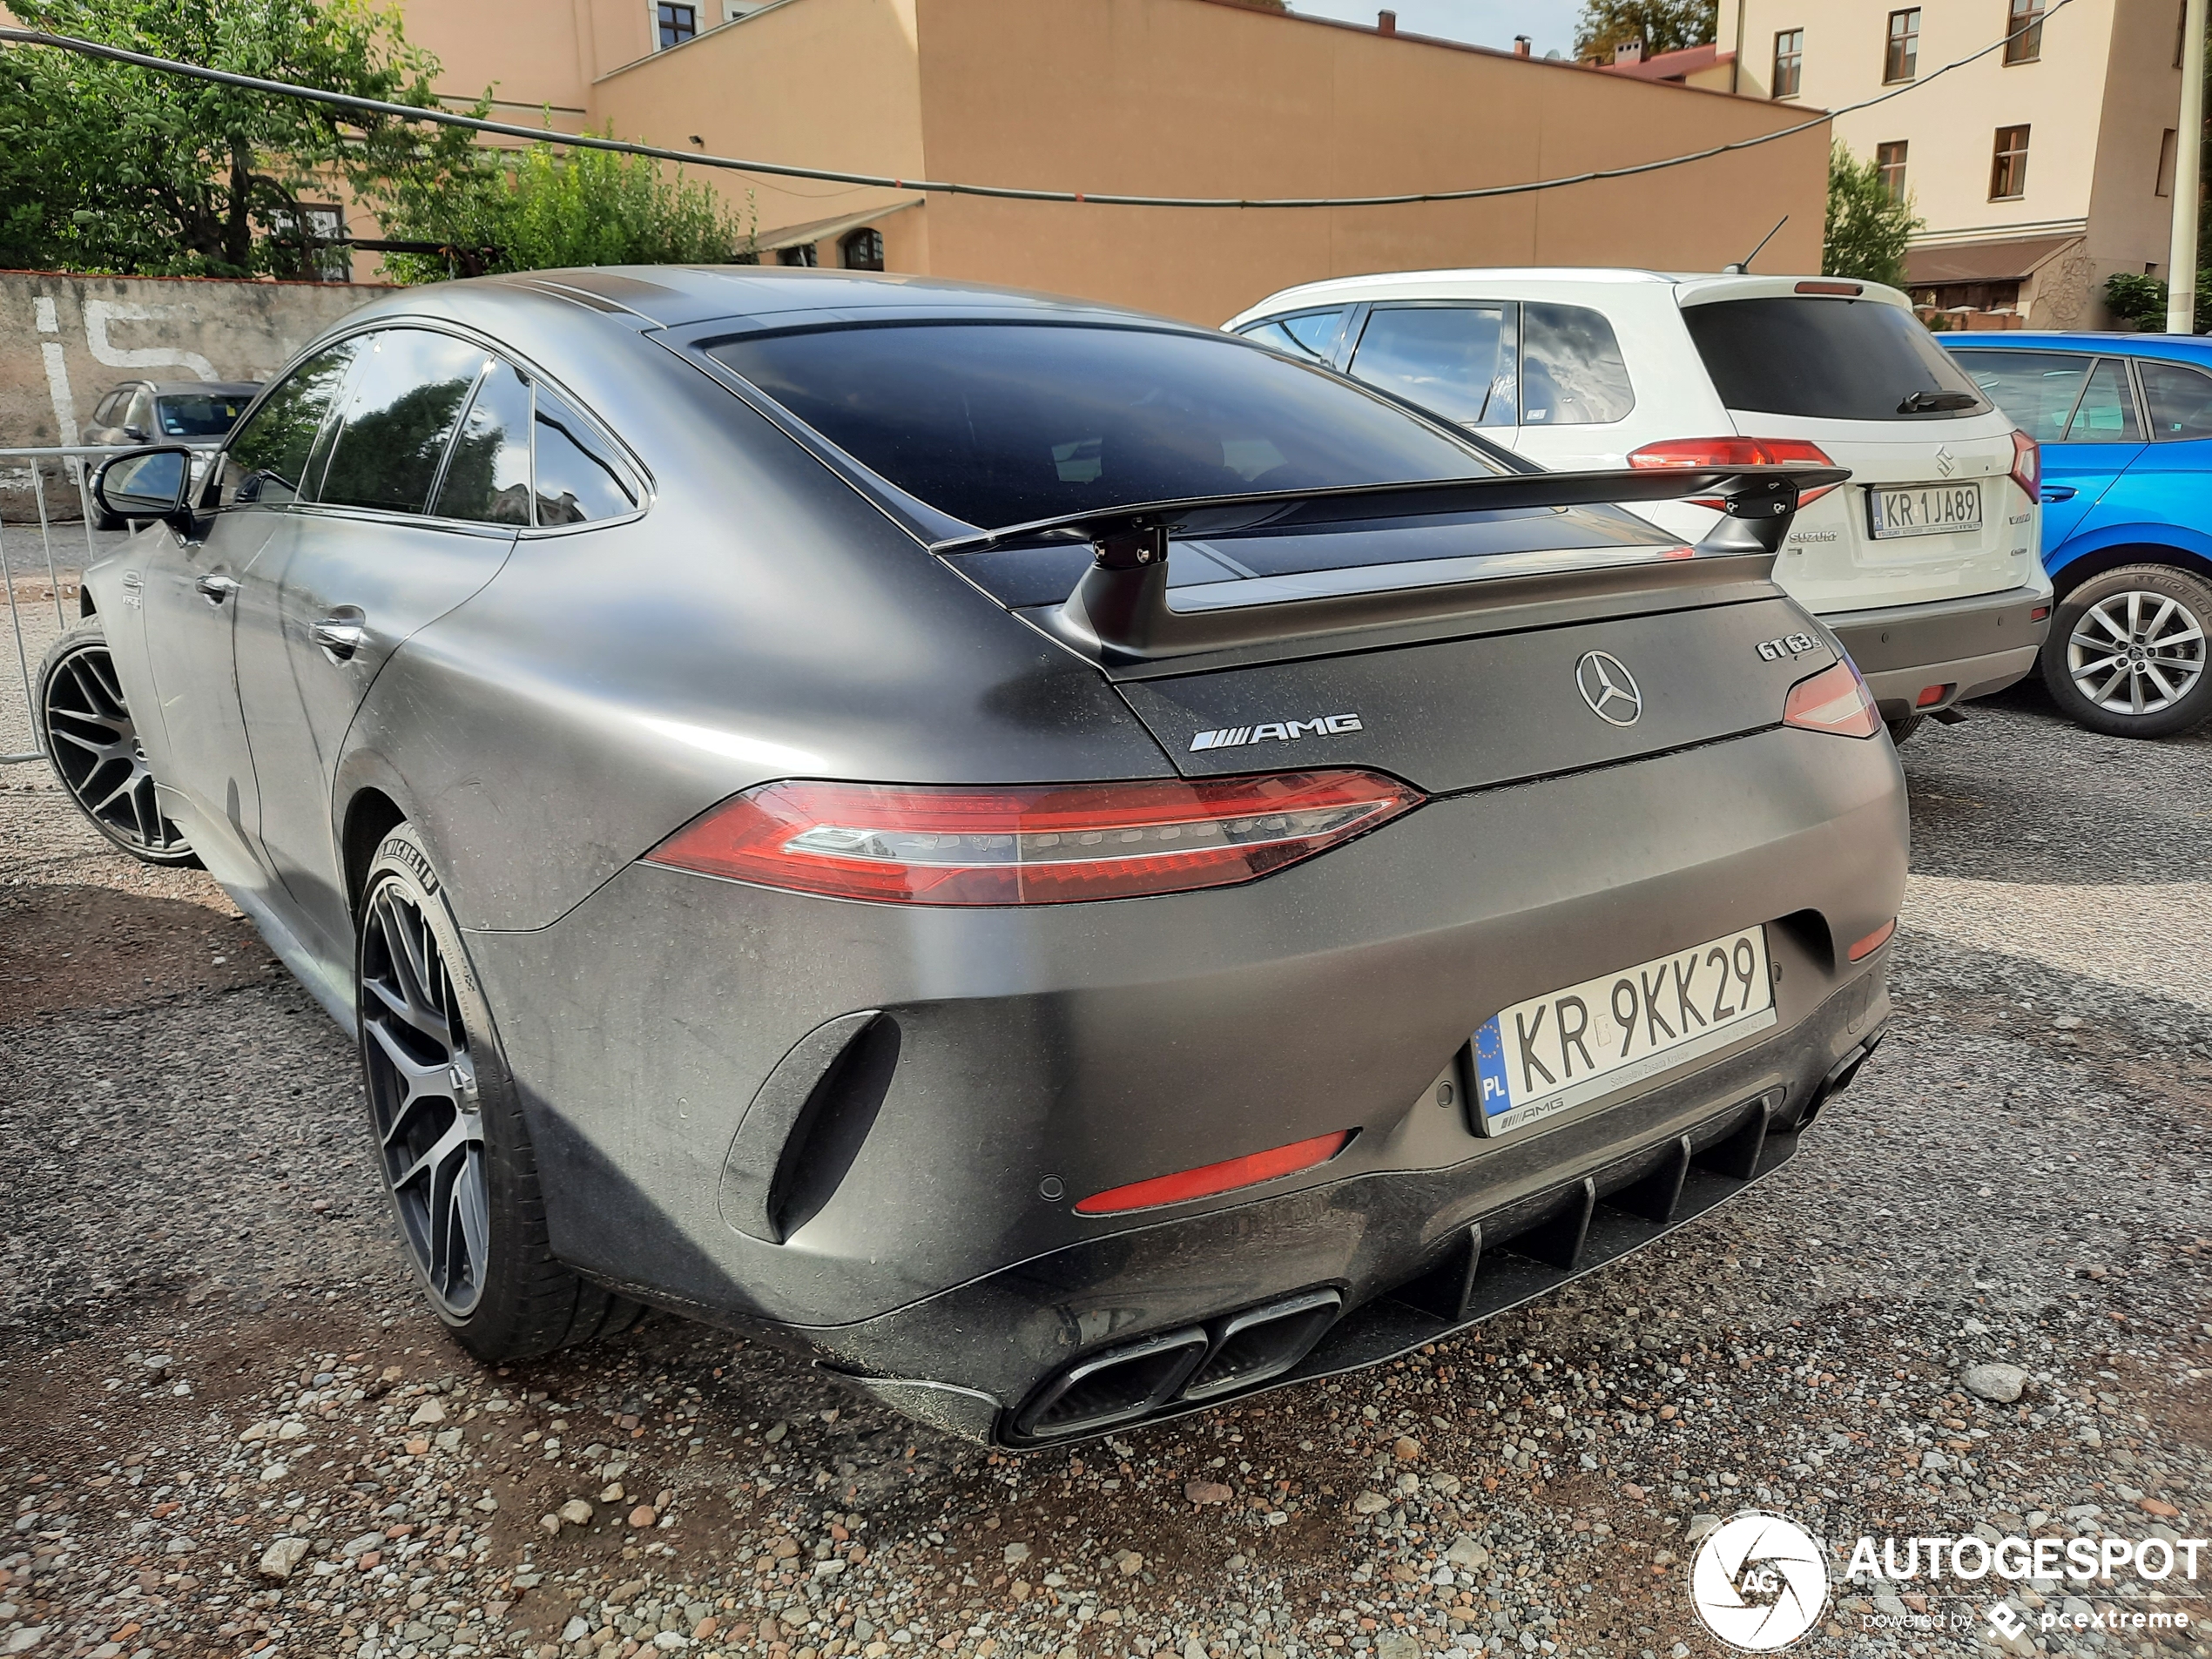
{"type": "Point", "coordinates": [1120, 607]}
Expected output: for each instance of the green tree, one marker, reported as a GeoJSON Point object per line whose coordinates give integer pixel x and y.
{"type": "Point", "coordinates": [538, 209]}
{"type": "Point", "coordinates": [109, 166]}
{"type": "Point", "coordinates": [1661, 25]}
{"type": "Point", "coordinates": [1867, 228]}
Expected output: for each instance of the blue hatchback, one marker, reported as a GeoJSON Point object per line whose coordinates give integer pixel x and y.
{"type": "Point", "coordinates": [2125, 425]}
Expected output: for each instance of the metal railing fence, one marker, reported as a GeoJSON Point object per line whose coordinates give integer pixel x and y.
{"type": "Point", "coordinates": [70, 459]}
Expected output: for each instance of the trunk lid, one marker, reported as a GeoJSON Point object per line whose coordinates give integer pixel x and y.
{"type": "Point", "coordinates": [1454, 714]}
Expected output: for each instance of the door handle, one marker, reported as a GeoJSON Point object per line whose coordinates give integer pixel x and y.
{"type": "Point", "coordinates": [215, 589]}
{"type": "Point", "coordinates": [2058, 492]}
{"type": "Point", "coordinates": [340, 636]}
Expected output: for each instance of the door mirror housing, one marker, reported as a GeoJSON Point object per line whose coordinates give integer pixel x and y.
{"type": "Point", "coordinates": [148, 483]}
{"type": "Point", "coordinates": [136, 434]}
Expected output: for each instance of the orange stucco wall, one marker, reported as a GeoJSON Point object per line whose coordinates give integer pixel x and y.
{"type": "Point", "coordinates": [818, 83]}
{"type": "Point", "coordinates": [1184, 97]}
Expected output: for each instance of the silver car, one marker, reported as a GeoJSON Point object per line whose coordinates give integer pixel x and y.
{"type": "Point", "coordinates": [1066, 863]}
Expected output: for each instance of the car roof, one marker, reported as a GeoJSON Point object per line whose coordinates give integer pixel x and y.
{"type": "Point", "coordinates": [2187, 346]}
{"type": "Point", "coordinates": [674, 295]}
{"type": "Point", "coordinates": [164, 389]}
{"type": "Point", "coordinates": [1690, 287]}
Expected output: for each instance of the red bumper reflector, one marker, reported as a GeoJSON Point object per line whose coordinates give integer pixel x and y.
{"type": "Point", "coordinates": [1873, 941]}
{"type": "Point", "coordinates": [1930, 695]}
{"type": "Point", "coordinates": [1029, 844]}
{"type": "Point", "coordinates": [1206, 1182]}
{"type": "Point", "coordinates": [2042, 613]}
{"type": "Point", "coordinates": [1836, 700]}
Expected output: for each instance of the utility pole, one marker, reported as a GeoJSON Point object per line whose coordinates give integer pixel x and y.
{"type": "Point", "coordinates": [2189, 154]}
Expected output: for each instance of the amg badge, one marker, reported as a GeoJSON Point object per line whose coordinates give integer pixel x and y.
{"type": "Point", "coordinates": [1233, 736]}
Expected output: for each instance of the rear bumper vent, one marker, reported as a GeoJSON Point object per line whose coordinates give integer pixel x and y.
{"type": "Point", "coordinates": [1183, 1367]}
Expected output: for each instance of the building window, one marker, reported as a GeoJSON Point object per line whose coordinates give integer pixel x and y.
{"type": "Point", "coordinates": [803, 254]}
{"type": "Point", "coordinates": [1789, 60]}
{"type": "Point", "coordinates": [1889, 162]}
{"type": "Point", "coordinates": [677, 22]}
{"type": "Point", "coordinates": [2165, 158]}
{"type": "Point", "coordinates": [1901, 60]}
{"type": "Point", "coordinates": [2008, 166]}
{"type": "Point", "coordinates": [2024, 31]}
{"type": "Point", "coordinates": [861, 250]}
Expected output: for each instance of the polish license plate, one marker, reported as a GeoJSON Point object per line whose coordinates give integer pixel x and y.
{"type": "Point", "coordinates": [1925, 510]}
{"type": "Point", "coordinates": [1552, 1053]}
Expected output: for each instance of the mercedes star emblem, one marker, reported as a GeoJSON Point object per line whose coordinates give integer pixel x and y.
{"type": "Point", "coordinates": [1608, 688]}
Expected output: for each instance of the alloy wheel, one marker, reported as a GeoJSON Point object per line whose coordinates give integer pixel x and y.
{"type": "Point", "coordinates": [2136, 652]}
{"type": "Point", "coordinates": [423, 1099]}
{"type": "Point", "coordinates": [95, 747]}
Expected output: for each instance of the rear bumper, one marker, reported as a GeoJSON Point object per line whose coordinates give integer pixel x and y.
{"type": "Point", "coordinates": [941, 1086]}
{"type": "Point", "coordinates": [1968, 648]}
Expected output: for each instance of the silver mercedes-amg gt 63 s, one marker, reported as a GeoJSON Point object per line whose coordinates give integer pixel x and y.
{"type": "Point", "coordinates": [1066, 865]}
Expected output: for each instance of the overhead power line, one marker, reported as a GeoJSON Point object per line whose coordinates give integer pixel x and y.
{"type": "Point", "coordinates": [945, 187]}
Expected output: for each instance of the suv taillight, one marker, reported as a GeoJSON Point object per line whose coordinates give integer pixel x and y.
{"type": "Point", "coordinates": [1690, 454]}
{"type": "Point", "coordinates": [2028, 464]}
{"type": "Point", "coordinates": [1836, 700]}
{"type": "Point", "coordinates": [1029, 844]}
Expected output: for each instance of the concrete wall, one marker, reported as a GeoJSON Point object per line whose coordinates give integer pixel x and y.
{"type": "Point", "coordinates": [65, 339]}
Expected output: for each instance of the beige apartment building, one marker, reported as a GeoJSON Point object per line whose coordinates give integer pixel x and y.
{"type": "Point", "coordinates": [1181, 98]}
{"type": "Point", "coordinates": [2041, 169]}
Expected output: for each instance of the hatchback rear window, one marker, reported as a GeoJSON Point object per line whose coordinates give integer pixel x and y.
{"type": "Point", "coordinates": [999, 423]}
{"type": "Point", "coordinates": [1835, 359]}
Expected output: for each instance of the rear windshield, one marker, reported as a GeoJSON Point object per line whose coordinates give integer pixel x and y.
{"type": "Point", "coordinates": [1000, 423]}
{"type": "Point", "coordinates": [1836, 360]}
{"type": "Point", "coordinates": [196, 414]}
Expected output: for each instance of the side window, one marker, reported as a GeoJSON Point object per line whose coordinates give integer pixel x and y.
{"type": "Point", "coordinates": [401, 410]}
{"type": "Point", "coordinates": [578, 483]}
{"type": "Point", "coordinates": [2107, 411]}
{"type": "Point", "coordinates": [2037, 388]}
{"type": "Point", "coordinates": [1571, 371]}
{"type": "Point", "coordinates": [1311, 336]}
{"type": "Point", "coordinates": [1454, 360]}
{"type": "Point", "coordinates": [140, 414]}
{"type": "Point", "coordinates": [267, 457]}
{"type": "Point", "coordinates": [110, 410]}
{"type": "Point", "coordinates": [488, 478]}
{"type": "Point", "coordinates": [2180, 400]}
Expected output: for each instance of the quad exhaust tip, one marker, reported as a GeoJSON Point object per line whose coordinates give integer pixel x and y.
{"type": "Point", "coordinates": [1184, 1366]}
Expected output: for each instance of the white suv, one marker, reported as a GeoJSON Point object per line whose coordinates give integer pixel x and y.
{"type": "Point", "coordinates": [1925, 565]}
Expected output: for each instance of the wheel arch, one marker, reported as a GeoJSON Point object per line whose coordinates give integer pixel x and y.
{"type": "Point", "coordinates": [2094, 562]}
{"type": "Point", "coordinates": [370, 816]}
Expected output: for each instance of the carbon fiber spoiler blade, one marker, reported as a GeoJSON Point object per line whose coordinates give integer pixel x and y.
{"type": "Point", "coordinates": [1119, 609]}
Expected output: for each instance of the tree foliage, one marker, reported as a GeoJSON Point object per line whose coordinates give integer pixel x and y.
{"type": "Point", "coordinates": [108, 166]}
{"type": "Point", "coordinates": [1661, 25]}
{"type": "Point", "coordinates": [539, 209]}
{"type": "Point", "coordinates": [1867, 228]}
{"type": "Point", "coordinates": [2140, 302]}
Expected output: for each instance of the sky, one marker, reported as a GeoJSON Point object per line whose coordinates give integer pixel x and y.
{"type": "Point", "coordinates": [1549, 24]}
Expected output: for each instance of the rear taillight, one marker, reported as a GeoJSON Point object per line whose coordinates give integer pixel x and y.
{"type": "Point", "coordinates": [1029, 844]}
{"type": "Point", "coordinates": [1836, 700]}
{"type": "Point", "coordinates": [2028, 464]}
{"type": "Point", "coordinates": [1694, 454]}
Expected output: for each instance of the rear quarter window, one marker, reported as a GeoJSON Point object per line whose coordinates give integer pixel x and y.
{"type": "Point", "coordinates": [1827, 359]}
{"type": "Point", "coordinates": [2037, 388]}
{"type": "Point", "coordinates": [1571, 370]}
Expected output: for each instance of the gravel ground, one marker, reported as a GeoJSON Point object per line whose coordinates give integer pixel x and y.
{"type": "Point", "coordinates": [226, 1428]}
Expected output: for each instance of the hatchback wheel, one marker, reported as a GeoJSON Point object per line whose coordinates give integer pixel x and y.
{"type": "Point", "coordinates": [451, 1144]}
{"type": "Point", "coordinates": [93, 743]}
{"type": "Point", "coordinates": [2127, 652]}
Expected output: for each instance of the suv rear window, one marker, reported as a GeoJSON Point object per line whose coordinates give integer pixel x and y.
{"type": "Point", "coordinates": [1835, 359]}
{"type": "Point", "coordinates": [999, 423]}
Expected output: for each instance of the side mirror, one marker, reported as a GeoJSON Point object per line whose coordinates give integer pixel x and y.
{"type": "Point", "coordinates": [151, 483]}
{"type": "Point", "coordinates": [136, 434]}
